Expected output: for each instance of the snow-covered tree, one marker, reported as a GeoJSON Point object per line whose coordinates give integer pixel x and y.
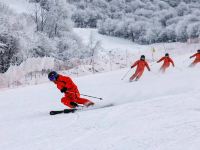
{"type": "Point", "coordinates": [57, 19]}
{"type": "Point", "coordinates": [193, 30]}
{"type": "Point", "coordinates": [45, 33]}
{"type": "Point", "coordinates": [151, 20]}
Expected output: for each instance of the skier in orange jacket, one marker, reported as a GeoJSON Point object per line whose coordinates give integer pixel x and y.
{"type": "Point", "coordinates": [197, 59]}
{"type": "Point", "coordinates": [141, 64]}
{"type": "Point", "coordinates": [167, 60]}
{"type": "Point", "coordinates": [66, 85]}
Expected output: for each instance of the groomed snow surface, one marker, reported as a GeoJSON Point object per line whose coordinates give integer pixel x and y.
{"type": "Point", "coordinates": [159, 112]}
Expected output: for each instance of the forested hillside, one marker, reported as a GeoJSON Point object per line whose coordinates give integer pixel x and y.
{"type": "Point", "coordinates": [47, 31]}
{"type": "Point", "coordinates": [142, 21]}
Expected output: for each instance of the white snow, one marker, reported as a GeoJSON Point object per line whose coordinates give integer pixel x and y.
{"type": "Point", "coordinates": [19, 6]}
{"type": "Point", "coordinates": [159, 112]}
{"type": "Point", "coordinates": [107, 42]}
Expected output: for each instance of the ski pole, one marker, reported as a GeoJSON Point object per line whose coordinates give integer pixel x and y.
{"type": "Point", "coordinates": [125, 74]}
{"type": "Point", "coordinates": [87, 95]}
{"type": "Point", "coordinates": [152, 64]}
{"type": "Point", "coordinates": [92, 96]}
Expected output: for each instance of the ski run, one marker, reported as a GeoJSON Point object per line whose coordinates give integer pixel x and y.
{"type": "Point", "coordinates": [159, 112]}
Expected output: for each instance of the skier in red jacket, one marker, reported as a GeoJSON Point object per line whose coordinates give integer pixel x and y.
{"type": "Point", "coordinates": [66, 85]}
{"type": "Point", "coordinates": [141, 64]}
{"type": "Point", "coordinates": [197, 59]}
{"type": "Point", "coordinates": [167, 60]}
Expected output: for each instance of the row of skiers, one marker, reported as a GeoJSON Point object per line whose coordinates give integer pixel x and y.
{"type": "Point", "coordinates": [72, 97]}
{"type": "Point", "coordinates": [141, 64]}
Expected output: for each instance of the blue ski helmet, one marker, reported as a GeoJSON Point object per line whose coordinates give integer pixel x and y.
{"type": "Point", "coordinates": [198, 51]}
{"type": "Point", "coordinates": [53, 76]}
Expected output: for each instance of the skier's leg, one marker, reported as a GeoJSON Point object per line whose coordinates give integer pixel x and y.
{"type": "Point", "coordinates": [194, 63]}
{"type": "Point", "coordinates": [133, 76]}
{"type": "Point", "coordinates": [163, 68]}
{"type": "Point", "coordinates": [75, 98]}
{"type": "Point", "coordinates": [67, 102]}
{"type": "Point", "coordinates": [84, 101]}
{"type": "Point", "coordinates": [139, 74]}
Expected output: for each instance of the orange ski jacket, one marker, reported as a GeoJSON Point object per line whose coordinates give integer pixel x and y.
{"type": "Point", "coordinates": [167, 61]}
{"type": "Point", "coordinates": [65, 82]}
{"type": "Point", "coordinates": [141, 64]}
{"type": "Point", "coordinates": [197, 59]}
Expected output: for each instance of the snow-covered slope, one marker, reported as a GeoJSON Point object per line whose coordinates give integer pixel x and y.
{"type": "Point", "coordinates": [107, 42]}
{"type": "Point", "coordinates": [159, 112]}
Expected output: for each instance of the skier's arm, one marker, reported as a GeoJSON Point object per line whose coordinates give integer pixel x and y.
{"type": "Point", "coordinates": [63, 90]}
{"type": "Point", "coordinates": [59, 86]}
{"type": "Point", "coordinates": [160, 60]}
{"type": "Point", "coordinates": [62, 87]}
{"type": "Point", "coordinates": [135, 64]}
{"type": "Point", "coordinates": [193, 55]}
{"type": "Point", "coordinates": [66, 84]}
{"type": "Point", "coordinates": [146, 64]}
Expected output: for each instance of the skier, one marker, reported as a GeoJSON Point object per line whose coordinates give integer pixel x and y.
{"type": "Point", "coordinates": [197, 59]}
{"type": "Point", "coordinates": [141, 64]}
{"type": "Point", "coordinates": [66, 85]}
{"type": "Point", "coordinates": [167, 60]}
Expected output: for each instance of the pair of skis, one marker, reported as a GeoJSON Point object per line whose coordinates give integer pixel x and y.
{"type": "Point", "coordinates": [73, 110]}
{"type": "Point", "coordinates": [66, 111]}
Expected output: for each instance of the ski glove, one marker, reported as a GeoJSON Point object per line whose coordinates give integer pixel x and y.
{"type": "Point", "coordinates": [63, 90]}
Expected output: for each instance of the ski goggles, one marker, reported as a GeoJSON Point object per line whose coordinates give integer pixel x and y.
{"type": "Point", "coordinates": [52, 78]}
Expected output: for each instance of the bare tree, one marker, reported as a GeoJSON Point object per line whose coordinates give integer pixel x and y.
{"type": "Point", "coordinates": [94, 46]}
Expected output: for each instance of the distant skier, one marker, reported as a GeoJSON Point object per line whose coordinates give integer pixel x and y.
{"type": "Point", "coordinates": [141, 64]}
{"type": "Point", "coordinates": [167, 60]}
{"type": "Point", "coordinates": [197, 59]}
{"type": "Point", "coordinates": [67, 86]}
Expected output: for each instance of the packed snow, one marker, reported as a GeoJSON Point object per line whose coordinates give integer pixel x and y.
{"type": "Point", "coordinates": [107, 42]}
{"type": "Point", "coordinates": [159, 112]}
